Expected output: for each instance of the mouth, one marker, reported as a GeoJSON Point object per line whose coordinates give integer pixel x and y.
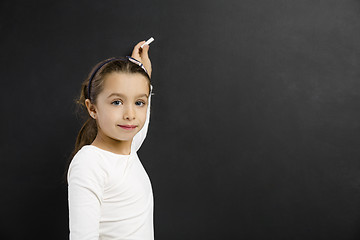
{"type": "Point", "coordinates": [128, 127]}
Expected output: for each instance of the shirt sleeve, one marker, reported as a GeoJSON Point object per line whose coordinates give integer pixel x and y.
{"type": "Point", "coordinates": [86, 181]}
{"type": "Point", "coordinates": [141, 135]}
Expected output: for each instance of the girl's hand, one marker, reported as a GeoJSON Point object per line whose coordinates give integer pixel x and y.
{"type": "Point", "coordinates": [141, 54]}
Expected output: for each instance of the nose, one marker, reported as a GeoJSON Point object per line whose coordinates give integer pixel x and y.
{"type": "Point", "coordinates": [129, 113]}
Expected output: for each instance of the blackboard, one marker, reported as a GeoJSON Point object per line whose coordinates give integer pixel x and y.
{"type": "Point", "coordinates": [255, 122]}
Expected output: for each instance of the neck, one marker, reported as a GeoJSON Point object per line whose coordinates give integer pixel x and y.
{"type": "Point", "coordinates": [112, 145]}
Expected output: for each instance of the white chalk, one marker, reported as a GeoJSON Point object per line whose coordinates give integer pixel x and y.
{"type": "Point", "coordinates": [148, 42]}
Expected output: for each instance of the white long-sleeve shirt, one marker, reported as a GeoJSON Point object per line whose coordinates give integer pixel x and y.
{"type": "Point", "coordinates": [110, 195]}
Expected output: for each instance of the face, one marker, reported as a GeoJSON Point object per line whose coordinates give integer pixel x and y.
{"type": "Point", "coordinates": [120, 108]}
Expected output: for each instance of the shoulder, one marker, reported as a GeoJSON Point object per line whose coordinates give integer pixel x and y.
{"type": "Point", "coordinates": [87, 155]}
{"type": "Point", "coordinates": [88, 162]}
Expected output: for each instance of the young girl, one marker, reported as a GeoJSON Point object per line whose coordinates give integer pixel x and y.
{"type": "Point", "coordinates": [110, 194]}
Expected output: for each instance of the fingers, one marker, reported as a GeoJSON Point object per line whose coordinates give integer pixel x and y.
{"type": "Point", "coordinates": [145, 58]}
{"type": "Point", "coordinates": [144, 52]}
{"type": "Point", "coordinates": [142, 55]}
{"type": "Point", "coordinates": [137, 51]}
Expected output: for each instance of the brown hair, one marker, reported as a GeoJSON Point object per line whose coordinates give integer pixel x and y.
{"type": "Point", "coordinates": [88, 131]}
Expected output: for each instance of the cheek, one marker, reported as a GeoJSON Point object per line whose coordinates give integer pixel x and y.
{"type": "Point", "coordinates": [142, 115]}
{"type": "Point", "coordinates": [107, 115]}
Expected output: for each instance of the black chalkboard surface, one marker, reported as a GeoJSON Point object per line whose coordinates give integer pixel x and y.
{"type": "Point", "coordinates": [255, 121]}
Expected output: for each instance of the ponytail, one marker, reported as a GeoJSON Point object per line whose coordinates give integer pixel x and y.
{"type": "Point", "coordinates": [86, 135]}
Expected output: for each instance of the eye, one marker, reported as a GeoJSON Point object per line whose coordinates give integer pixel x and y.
{"type": "Point", "coordinates": [140, 103]}
{"type": "Point", "coordinates": [116, 102]}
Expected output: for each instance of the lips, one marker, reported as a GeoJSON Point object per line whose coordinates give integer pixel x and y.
{"type": "Point", "coordinates": [128, 127]}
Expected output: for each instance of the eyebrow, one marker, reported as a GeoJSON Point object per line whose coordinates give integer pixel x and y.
{"type": "Point", "coordinates": [122, 95]}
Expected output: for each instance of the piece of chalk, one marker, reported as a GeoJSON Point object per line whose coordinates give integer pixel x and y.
{"type": "Point", "coordinates": [148, 42]}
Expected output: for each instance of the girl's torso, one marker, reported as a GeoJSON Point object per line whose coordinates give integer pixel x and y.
{"type": "Point", "coordinates": [123, 193]}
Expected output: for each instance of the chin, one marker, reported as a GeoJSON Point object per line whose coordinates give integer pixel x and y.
{"type": "Point", "coordinates": [124, 139]}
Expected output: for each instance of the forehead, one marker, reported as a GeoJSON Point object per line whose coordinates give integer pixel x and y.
{"type": "Point", "coordinates": [126, 83]}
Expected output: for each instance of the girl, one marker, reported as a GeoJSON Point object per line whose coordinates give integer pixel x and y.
{"type": "Point", "coordinates": [110, 194]}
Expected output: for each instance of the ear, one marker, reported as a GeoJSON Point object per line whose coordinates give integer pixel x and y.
{"type": "Point", "coordinates": [91, 108]}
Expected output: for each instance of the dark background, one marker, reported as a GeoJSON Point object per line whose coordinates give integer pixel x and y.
{"type": "Point", "coordinates": [255, 122]}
